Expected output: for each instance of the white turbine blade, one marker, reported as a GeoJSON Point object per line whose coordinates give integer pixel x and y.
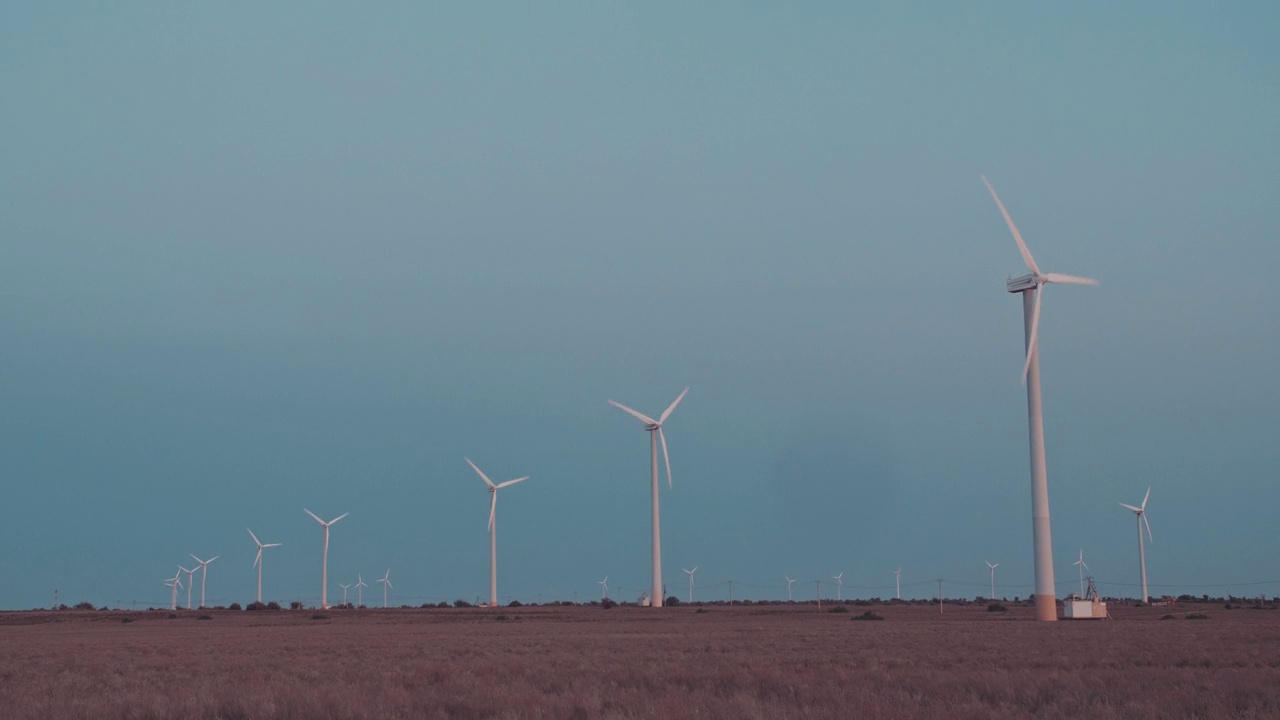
{"type": "Point", "coordinates": [255, 537]}
{"type": "Point", "coordinates": [671, 408]}
{"type": "Point", "coordinates": [215, 557]}
{"type": "Point", "coordinates": [1086, 567]}
{"type": "Point", "coordinates": [512, 482]}
{"type": "Point", "coordinates": [639, 415]}
{"type": "Point", "coordinates": [1130, 507]}
{"type": "Point", "coordinates": [388, 582]}
{"type": "Point", "coordinates": [493, 509]}
{"type": "Point", "coordinates": [272, 545]}
{"type": "Point", "coordinates": [479, 472]}
{"type": "Point", "coordinates": [337, 518]}
{"type": "Point", "coordinates": [665, 456]}
{"type": "Point", "coordinates": [259, 558]}
{"type": "Point", "coordinates": [313, 516]}
{"type": "Point", "coordinates": [197, 560]}
{"type": "Point", "coordinates": [695, 568]}
{"type": "Point", "coordinates": [1022, 246]}
{"type": "Point", "coordinates": [1035, 331]}
{"type": "Point", "coordinates": [1069, 279]}
{"type": "Point", "coordinates": [1145, 498]}
{"type": "Point", "coordinates": [1148, 524]}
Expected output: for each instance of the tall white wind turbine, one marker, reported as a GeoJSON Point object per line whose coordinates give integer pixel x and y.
{"type": "Point", "coordinates": [1141, 514]}
{"type": "Point", "coordinates": [1032, 289]}
{"type": "Point", "coordinates": [360, 586]}
{"type": "Point", "coordinates": [690, 574]}
{"type": "Point", "coordinates": [324, 561]}
{"type": "Point", "coordinates": [204, 573]}
{"type": "Point", "coordinates": [992, 596]}
{"type": "Point", "coordinates": [257, 561]}
{"type": "Point", "coordinates": [174, 583]}
{"type": "Point", "coordinates": [790, 582]}
{"type": "Point", "coordinates": [656, 436]}
{"type": "Point", "coordinates": [604, 587]}
{"type": "Point", "coordinates": [386, 583]}
{"type": "Point", "coordinates": [897, 581]}
{"type": "Point", "coordinates": [493, 528]}
{"type": "Point", "coordinates": [839, 584]}
{"type": "Point", "coordinates": [1080, 564]}
{"type": "Point", "coordinates": [190, 573]}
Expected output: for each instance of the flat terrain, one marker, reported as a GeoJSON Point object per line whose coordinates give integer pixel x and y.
{"type": "Point", "coordinates": [753, 661]}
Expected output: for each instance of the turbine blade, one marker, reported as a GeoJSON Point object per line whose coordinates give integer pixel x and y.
{"type": "Point", "coordinates": [493, 509]}
{"type": "Point", "coordinates": [1035, 331]}
{"type": "Point", "coordinates": [313, 516]}
{"type": "Point", "coordinates": [665, 456]}
{"type": "Point", "coordinates": [196, 559]}
{"type": "Point", "coordinates": [639, 415]}
{"type": "Point", "coordinates": [671, 408]}
{"type": "Point", "coordinates": [1086, 567]}
{"type": "Point", "coordinates": [1145, 498]}
{"type": "Point", "coordinates": [1069, 279]}
{"type": "Point", "coordinates": [484, 477]}
{"type": "Point", "coordinates": [259, 558]}
{"type": "Point", "coordinates": [1022, 246]}
{"type": "Point", "coordinates": [255, 537]}
{"type": "Point", "coordinates": [389, 584]}
{"type": "Point", "coordinates": [215, 557]}
{"type": "Point", "coordinates": [272, 545]}
{"type": "Point", "coordinates": [1130, 507]}
{"type": "Point", "coordinates": [509, 483]}
{"type": "Point", "coordinates": [338, 518]}
{"type": "Point", "coordinates": [1148, 524]}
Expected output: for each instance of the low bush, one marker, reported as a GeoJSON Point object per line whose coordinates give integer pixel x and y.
{"type": "Point", "coordinates": [295, 605]}
{"type": "Point", "coordinates": [461, 604]}
{"type": "Point", "coordinates": [607, 604]}
{"type": "Point", "coordinates": [839, 609]}
{"type": "Point", "coordinates": [205, 617]}
{"type": "Point", "coordinates": [234, 606]}
{"type": "Point", "coordinates": [85, 606]}
{"type": "Point", "coordinates": [673, 601]}
{"type": "Point", "coordinates": [514, 603]}
{"type": "Point", "coordinates": [997, 607]}
{"type": "Point", "coordinates": [319, 616]}
{"type": "Point", "coordinates": [273, 605]}
{"type": "Point", "coordinates": [1197, 616]}
{"type": "Point", "coordinates": [868, 615]}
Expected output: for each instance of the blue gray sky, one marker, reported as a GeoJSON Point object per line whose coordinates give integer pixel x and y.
{"type": "Point", "coordinates": [261, 258]}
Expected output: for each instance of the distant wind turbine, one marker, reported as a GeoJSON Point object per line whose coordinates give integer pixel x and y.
{"type": "Point", "coordinates": [344, 593]}
{"type": "Point", "coordinates": [190, 584]}
{"type": "Point", "coordinates": [386, 583]}
{"type": "Point", "coordinates": [204, 573]}
{"type": "Point", "coordinates": [839, 585]}
{"type": "Point", "coordinates": [175, 582]}
{"type": "Point", "coordinates": [1032, 289]}
{"type": "Point", "coordinates": [690, 573]}
{"type": "Point", "coordinates": [1141, 514]}
{"type": "Point", "coordinates": [656, 436]}
{"type": "Point", "coordinates": [360, 586]}
{"type": "Point", "coordinates": [897, 581]}
{"type": "Point", "coordinates": [992, 596]}
{"type": "Point", "coordinates": [493, 528]}
{"type": "Point", "coordinates": [257, 561]}
{"type": "Point", "coordinates": [604, 587]}
{"type": "Point", "coordinates": [324, 561]}
{"type": "Point", "coordinates": [1080, 564]}
{"type": "Point", "coordinates": [790, 582]}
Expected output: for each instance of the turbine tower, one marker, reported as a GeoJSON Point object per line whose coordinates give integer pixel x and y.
{"type": "Point", "coordinates": [992, 596]}
{"type": "Point", "coordinates": [839, 584]}
{"type": "Point", "coordinates": [175, 582]}
{"type": "Point", "coordinates": [1032, 289]}
{"type": "Point", "coordinates": [690, 573]}
{"type": "Point", "coordinates": [1141, 514]}
{"type": "Point", "coordinates": [344, 593]}
{"type": "Point", "coordinates": [360, 586]}
{"type": "Point", "coordinates": [604, 587]}
{"type": "Point", "coordinates": [493, 528]}
{"type": "Point", "coordinates": [257, 562]}
{"type": "Point", "coordinates": [190, 583]}
{"type": "Point", "coordinates": [1080, 564]}
{"type": "Point", "coordinates": [654, 428]}
{"type": "Point", "coordinates": [790, 582]}
{"type": "Point", "coordinates": [386, 583]}
{"type": "Point", "coordinates": [324, 561]}
{"type": "Point", "coordinates": [897, 582]}
{"type": "Point", "coordinates": [204, 573]}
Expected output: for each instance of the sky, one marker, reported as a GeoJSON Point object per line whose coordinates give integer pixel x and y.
{"type": "Point", "coordinates": [261, 258]}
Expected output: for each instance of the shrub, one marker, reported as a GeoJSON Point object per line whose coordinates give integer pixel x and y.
{"type": "Point", "coordinates": [234, 606]}
{"type": "Point", "coordinates": [319, 616]}
{"type": "Point", "coordinates": [461, 604]}
{"type": "Point", "coordinates": [255, 606]}
{"type": "Point", "coordinates": [442, 604]}
{"type": "Point", "coordinates": [607, 604]}
{"type": "Point", "coordinates": [699, 611]}
{"type": "Point", "coordinates": [295, 605]}
{"type": "Point", "coordinates": [997, 607]}
{"type": "Point", "coordinates": [673, 601]}
{"type": "Point", "coordinates": [127, 619]}
{"type": "Point", "coordinates": [273, 605]}
{"type": "Point", "coordinates": [868, 615]}
{"type": "Point", "coordinates": [839, 609]}
{"type": "Point", "coordinates": [1197, 616]}
{"type": "Point", "coordinates": [205, 617]}
{"type": "Point", "coordinates": [514, 603]}
{"type": "Point", "coordinates": [1168, 617]}
{"type": "Point", "coordinates": [173, 616]}
{"type": "Point", "coordinates": [85, 606]}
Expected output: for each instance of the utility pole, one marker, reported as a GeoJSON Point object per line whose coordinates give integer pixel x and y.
{"type": "Point", "coordinates": [819, 584]}
{"type": "Point", "coordinates": [939, 596]}
{"type": "Point", "coordinates": [730, 592]}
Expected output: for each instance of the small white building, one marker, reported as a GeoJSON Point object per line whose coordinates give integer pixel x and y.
{"type": "Point", "coordinates": [1074, 608]}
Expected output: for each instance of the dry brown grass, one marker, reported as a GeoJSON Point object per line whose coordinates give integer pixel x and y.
{"type": "Point", "coordinates": [749, 662]}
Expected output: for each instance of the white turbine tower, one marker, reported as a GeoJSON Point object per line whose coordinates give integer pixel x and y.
{"type": "Point", "coordinates": [493, 528]}
{"type": "Point", "coordinates": [386, 583]}
{"type": "Point", "coordinates": [690, 573]}
{"type": "Point", "coordinates": [654, 428]}
{"type": "Point", "coordinates": [175, 582]}
{"type": "Point", "coordinates": [360, 586]}
{"type": "Point", "coordinates": [1141, 514]}
{"type": "Point", "coordinates": [1032, 289]}
{"type": "Point", "coordinates": [190, 584]}
{"type": "Point", "coordinates": [324, 561]}
{"type": "Point", "coordinates": [897, 582]}
{"type": "Point", "coordinates": [1080, 564]}
{"type": "Point", "coordinates": [204, 573]}
{"type": "Point", "coordinates": [604, 587]}
{"type": "Point", "coordinates": [839, 584]}
{"type": "Point", "coordinates": [257, 562]}
{"type": "Point", "coordinates": [992, 596]}
{"type": "Point", "coordinates": [790, 582]}
{"type": "Point", "coordinates": [344, 593]}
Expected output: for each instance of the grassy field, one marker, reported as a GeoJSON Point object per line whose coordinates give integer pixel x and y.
{"type": "Point", "coordinates": [754, 661]}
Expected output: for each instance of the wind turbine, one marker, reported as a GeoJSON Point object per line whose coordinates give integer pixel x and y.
{"type": "Point", "coordinates": [789, 584]}
{"type": "Point", "coordinates": [324, 563]}
{"type": "Point", "coordinates": [1032, 288]}
{"type": "Point", "coordinates": [360, 586]}
{"type": "Point", "coordinates": [1080, 564]}
{"type": "Point", "coordinates": [992, 596]}
{"type": "Point", "coordinates": [690, 573]}
{"type": "Point", "coordinates": [257, 562]}
{"type": "Point", "coordinates": [604, 587]}
{"type": "Point", "coordinates": [493, 528]}
{"type": "Point", "coordinates": [190, 584]}
{"type": "Point", "coordinates": [175, 582]}
{"type": "Point", "coordinates": [897, 581]}
{"type": "Point", "coordinates": [1141, 514]}
{"type": "Point", "coordinates": [654, 428]}
{"type": "Point", "coordinates": [204, 573]}
{"type": "Point", "coordinates": [344, 593]}
{"type": "Point", "coordinates": [839, 584]}
{"type": "Point", "coordinates": [386, 583]}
